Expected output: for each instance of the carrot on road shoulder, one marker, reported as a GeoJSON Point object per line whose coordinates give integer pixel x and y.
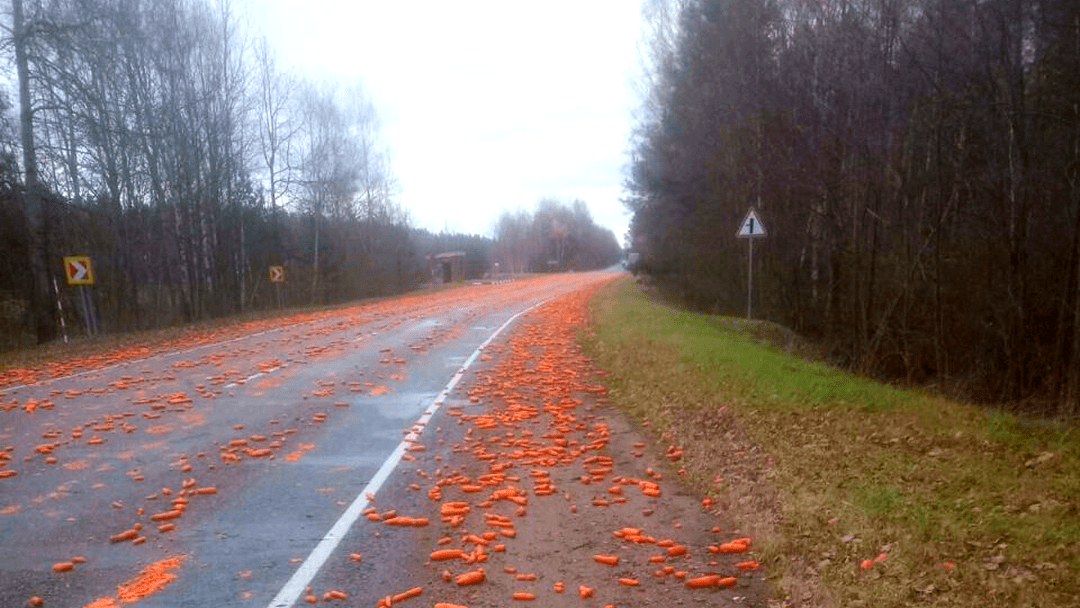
{"type": "Point", "coordinates": [610, 560]}
{"type": "Point", "coordinates": [474, 577]}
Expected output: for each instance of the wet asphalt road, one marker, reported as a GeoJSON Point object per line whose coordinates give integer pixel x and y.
{"type": "Point", "coordinates": [238, 455]}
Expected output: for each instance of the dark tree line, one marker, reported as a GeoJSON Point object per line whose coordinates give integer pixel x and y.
{"type": "Point", "coordinates": [160, 139]}
{"type": "Point", "coordinates": [555, 237]}
{"type": "Point", "coordinates": [917, 163]}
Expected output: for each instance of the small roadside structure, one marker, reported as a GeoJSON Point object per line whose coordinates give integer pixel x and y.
{"type": "Point", "coordinates": [447, 267]}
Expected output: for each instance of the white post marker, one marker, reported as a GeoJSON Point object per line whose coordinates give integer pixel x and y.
{"type": "Point", "coordinates": [750, 228]}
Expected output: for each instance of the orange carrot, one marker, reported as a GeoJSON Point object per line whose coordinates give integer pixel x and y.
{"type": "Point", "coordinates": [523, 596]}
{"type": "Point", "coordinates": [166, 515]}
{"type": "Point", "coordinates": [727, 581]}
{"type": "Point", "coordinates": [702, 582]}
{"type": "Point", "coordinates": [629, 582]}
{"type": "Point", "coordinates": [401, 520]}
{"type": "Point", "coordinates": [62, 566]}
{"type": "Point", "coordinates": [407, 594]}
{"type": "Point", "coordinates": [474, 577]}
{"type": "Point", "coordinates": [610, 560]}
{"type": "Point", "coordinates": [747, 565]}
{"type": "Point", "coordinates": [584, 592]}
{"type": "Point", "coordinates": [128, 534]}
{"type": "Point", "coordinates": [733, 547]}
{"type": "Point", "coordinates": [445, 554]}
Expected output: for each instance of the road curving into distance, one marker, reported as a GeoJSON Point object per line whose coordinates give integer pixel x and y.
{"type": "Point", "coordinates": [446, 449]}
{"type": "Point", "coordinates": [224, 464]}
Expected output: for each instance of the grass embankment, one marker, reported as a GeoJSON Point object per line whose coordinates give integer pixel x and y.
{"type": "Point", "coordinates": [959, 506]}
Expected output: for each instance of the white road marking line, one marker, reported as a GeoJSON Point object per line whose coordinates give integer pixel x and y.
{"type": "Point", "coordinates": [307, 570]}
{"type": "Point", "coordinates": [241, 381]}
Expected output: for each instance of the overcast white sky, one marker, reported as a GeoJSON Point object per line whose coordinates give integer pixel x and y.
{"type": "Point", "coordinates": [487, 105]}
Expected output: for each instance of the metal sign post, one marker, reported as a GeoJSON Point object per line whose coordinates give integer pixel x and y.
{"type": "Point", "coordinates": [79, 272]}
{"type": "Point", "coordinates": [277, 277]}
{"type": "Point", "coordinates": [750, 228]}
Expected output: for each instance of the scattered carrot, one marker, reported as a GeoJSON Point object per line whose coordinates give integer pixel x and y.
{"type": "Point", "coordinates": [166, 515]}
{"type": "Point", "coordinates": [727, 581]}
{"type": "Point", "coordinates": [702, 582]}
{"type": "Point", "coordinates": [128, 534]}
{"type": "Point", "coordinates": [610, 560]}
{"type": "Point", "coordinates": [407, 594]}
{"type": "Point", "coordinates": [445, 554]}
{"type": "Point", "coordinates": [735, 546]}
{"type": "Point", "coordinates": [523, 596]}
{"type": "Point", "coordinates": [474, 577]}
{"type": "Point", "coordinates": [584, 592]}
{"type": "Point", "coordinates": [63, 566]}
{"type": "Point", "coordinates": [401, 520]}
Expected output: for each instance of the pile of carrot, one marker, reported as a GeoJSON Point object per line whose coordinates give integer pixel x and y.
{"type": "Point", "coordinates": [523, 424]}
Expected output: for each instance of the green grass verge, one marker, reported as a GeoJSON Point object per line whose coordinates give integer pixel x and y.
{"type": "Point", "coordinates": [970, 507]}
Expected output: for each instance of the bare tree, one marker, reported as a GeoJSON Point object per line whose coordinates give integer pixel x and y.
{"type": "Point", "coordinates": [37, 209]}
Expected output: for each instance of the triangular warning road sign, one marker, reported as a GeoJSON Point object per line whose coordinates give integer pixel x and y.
{"type": "Point", "coordinates": [751, 226]}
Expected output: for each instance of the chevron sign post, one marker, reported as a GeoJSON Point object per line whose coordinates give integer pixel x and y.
{"type": "Point", "coordinates": [78, 270]}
